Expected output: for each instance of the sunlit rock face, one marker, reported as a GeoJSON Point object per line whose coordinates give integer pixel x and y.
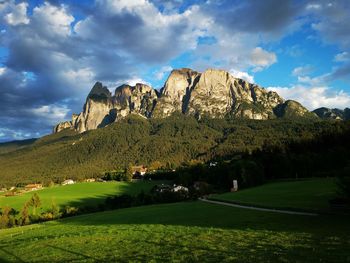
{"type": "Point", "coordinates": [176, 92]}
{"type": "Point", "coordinates": [213, 93]}
{"type": "Point", "coordinates": [218, 94]}
{"type": "Point", "coordinates": [61, 126]}
{"type": "Point", "coordinates": [139, 99]}
{"type": "Point", "coordinates": [101, 108]}
{"type": "Point", "coordinates": [96, 111]}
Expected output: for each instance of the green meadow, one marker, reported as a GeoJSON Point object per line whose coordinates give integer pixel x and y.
{"type": "Point", "coordinates": [79, 194]}
{"type": "Point", "coordinates": [180, 232]}
{"type": "Point", "coordinates": [309, 194]}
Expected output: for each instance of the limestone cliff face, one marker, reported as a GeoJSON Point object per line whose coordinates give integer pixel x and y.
{"type": "Point", "coordinates": [139, 99]}
{"type": "Point", "coordinates": [61, 126]}
{"type": "Point", "coordinates": [213, 93]}
{"type": "Point", "coordinates": [96, 111]}
{"type": "Point", "coordinates": [176, 92]}
{"type": "Point", "coordinates": [219, 94]}
{"type": "Point", "coordinates": [101, 108]}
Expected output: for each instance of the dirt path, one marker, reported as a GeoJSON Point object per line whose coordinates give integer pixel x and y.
{"type": "Point", "coordinates": [259, 208]}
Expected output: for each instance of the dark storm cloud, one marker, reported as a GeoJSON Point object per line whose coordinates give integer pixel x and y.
{"type": "Point", "coordinates": [143, 33]}
{"type": "Point", "coordinates": [333, 18]}
{"type": "Point", "coordinates": [50, 67]}
{"type": "Point", "coordinates": [268, 16]}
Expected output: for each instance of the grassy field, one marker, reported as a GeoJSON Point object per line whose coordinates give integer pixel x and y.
{"type": "Point", "coordinates": [79, 194]}
{"type": "Point", "coordinates": [312, 194]}
{"type": "Point", "coordinates": [181, 232]}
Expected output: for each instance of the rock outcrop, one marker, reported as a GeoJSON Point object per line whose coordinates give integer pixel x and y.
{"type": "Point", "coordinates": [292, 109]}
{"type": "Point", "coordinates": [333, 114]}
{"type": "Point", "coordinates": [218, 94]}
{"type": "Point", "coordinates": [62, 125]}
{"type": "Point", "coordinates": [213, 93]}
{"type": "Point", "coordinates": [139, 99]}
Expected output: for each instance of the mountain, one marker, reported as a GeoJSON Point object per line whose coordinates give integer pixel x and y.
{"type": "Point", "coordinates": [213, 93]}
{"type": "Point", "coordinates": [333, 114]}
{"type": "Point", "coordinates": [170, 142]}
{"type": "Point", "coordinates": [7, 147]}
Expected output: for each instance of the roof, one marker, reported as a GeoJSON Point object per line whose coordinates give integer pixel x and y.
{"type": "Point", "coordinates": [33, 185]}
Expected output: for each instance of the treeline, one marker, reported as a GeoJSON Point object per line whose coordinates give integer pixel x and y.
{"type": "Point", "coordinates": [167, 143]}
{"type": "Point", "coordinates": [10, 217]}
{"type": "Point", "coordinates": [327, 155]}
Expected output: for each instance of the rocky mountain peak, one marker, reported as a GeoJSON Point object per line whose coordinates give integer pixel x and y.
{"type": "Point", "coordinates": [99, 91]}
{"type": "Point", "coordinates": [214, 93]}
{"type": "Point", "coordinates": [333, 114]}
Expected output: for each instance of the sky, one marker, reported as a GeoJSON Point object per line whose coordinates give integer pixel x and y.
{"type": "Point", "coordinates": [52, 52]}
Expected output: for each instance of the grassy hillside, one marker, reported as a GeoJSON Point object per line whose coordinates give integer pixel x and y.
{"type": "Point", "coordinates": [170, 142]}
{"type": "Point", "coordinates": [312, 194]}
{"type": "Point", "coordinates": [80, 194]}
{"type": "Point", "coordinates": [181, 232]}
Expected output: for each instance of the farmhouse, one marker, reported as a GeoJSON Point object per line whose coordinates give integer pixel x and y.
{"type": "Point", "coordinates": [177, 188]}
{"type": "Point", "coordinates": [90, 180]}
{"type": "Point", "coordinates": [32, 187]}
{"type": "Point", "coordinates": [138, 171]}
{"type": "Point", "coordinates": [69, 181]}
{"type": "Point", "coordinates": [169, 188]}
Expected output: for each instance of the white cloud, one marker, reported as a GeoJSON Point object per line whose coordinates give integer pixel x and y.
{"type": "Point", "coordinates": [242, 75]}
{"type": "Point", "coordinates": [18, 15]}
{"type": "Point", "coordinates": [2, 70]}
{"type": "Point", "coordinates": [342, 57]}
{"type": "Point", "coordinates": [261, 58]}
{"type": "Point", "coordinates": [54, 21]}
{"type": "Point", "coordinates": [133, 81]}
{"type": "Point", "coordinates": [79, 78]}
{"type": "Point", "coordinates": [52, 113]}
{"type": "Point", "coordinates": [302, 71]}
{"type": "Point", "coordinates": [314, 97]}
{"type": "Point", "coordinates": [313, 6]}
{"type": "Point", "coordinates": [161, 36]}
{"type": "Point", "coordinates": [159, 75]}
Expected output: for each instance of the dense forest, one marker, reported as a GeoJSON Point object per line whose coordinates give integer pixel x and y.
{"type": "Point", "coordinates": [278, 147]}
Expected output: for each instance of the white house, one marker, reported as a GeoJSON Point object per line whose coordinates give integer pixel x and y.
{"type": "Point", "coordinates": [69, 181]}
{"type": "Point", "coordinates": [180, 188]}
{"type": "Point", "coordinates": [213, 164]}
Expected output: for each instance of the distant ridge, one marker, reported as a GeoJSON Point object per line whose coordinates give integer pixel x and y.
{"type": "Point", "coordinates": [214, 93]}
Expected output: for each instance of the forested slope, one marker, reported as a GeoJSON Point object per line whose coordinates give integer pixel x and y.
{"type": "Point", "coordinates": [168, 142]}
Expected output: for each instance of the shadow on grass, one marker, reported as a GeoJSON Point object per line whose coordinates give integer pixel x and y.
{"type": "Point", "coordinates": [10, 254]}
{"type": "Point", "coordinates": [198, 214]}
{"type": "Point", "coordinates": [68, 251]}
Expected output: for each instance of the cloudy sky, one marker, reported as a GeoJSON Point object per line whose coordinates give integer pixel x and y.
{"type": "Point", "coordinates": [52, 52]}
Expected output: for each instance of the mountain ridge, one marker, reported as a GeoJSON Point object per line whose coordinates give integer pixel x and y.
{"type": "Point", "coordinates": [214, 93]}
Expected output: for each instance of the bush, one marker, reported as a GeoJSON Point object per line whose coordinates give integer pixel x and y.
{"type": "Point", "coordinates": [343, 184]}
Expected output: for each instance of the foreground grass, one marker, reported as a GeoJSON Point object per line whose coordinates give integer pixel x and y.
{"type": "Point", "coordinates": [311, 194]}
{"type": "Point", "coordinates": [181, 232]}
{"type": "Point", "coordinates": [79, 194]}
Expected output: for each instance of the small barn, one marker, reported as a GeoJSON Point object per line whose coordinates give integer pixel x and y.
{"type": "Point", "coordinates": [68, 181]}
{"type": "Point", "coordinates": [32, 187]}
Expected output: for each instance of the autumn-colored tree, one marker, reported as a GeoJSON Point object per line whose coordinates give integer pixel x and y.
{"type": "Point", "coordinates": [34, 202]}
{"type": "Point", "coordinates": [5, 217]}
{"type": "Point", "coordinates": [24, 219]}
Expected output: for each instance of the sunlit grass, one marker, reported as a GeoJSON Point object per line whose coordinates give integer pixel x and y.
{"type": "Point", "coordinates": [78, 194]}
{"type": "Point", "coordinates": [310, 194]}
{"type": "Point", "coordinates": [183, 232]}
